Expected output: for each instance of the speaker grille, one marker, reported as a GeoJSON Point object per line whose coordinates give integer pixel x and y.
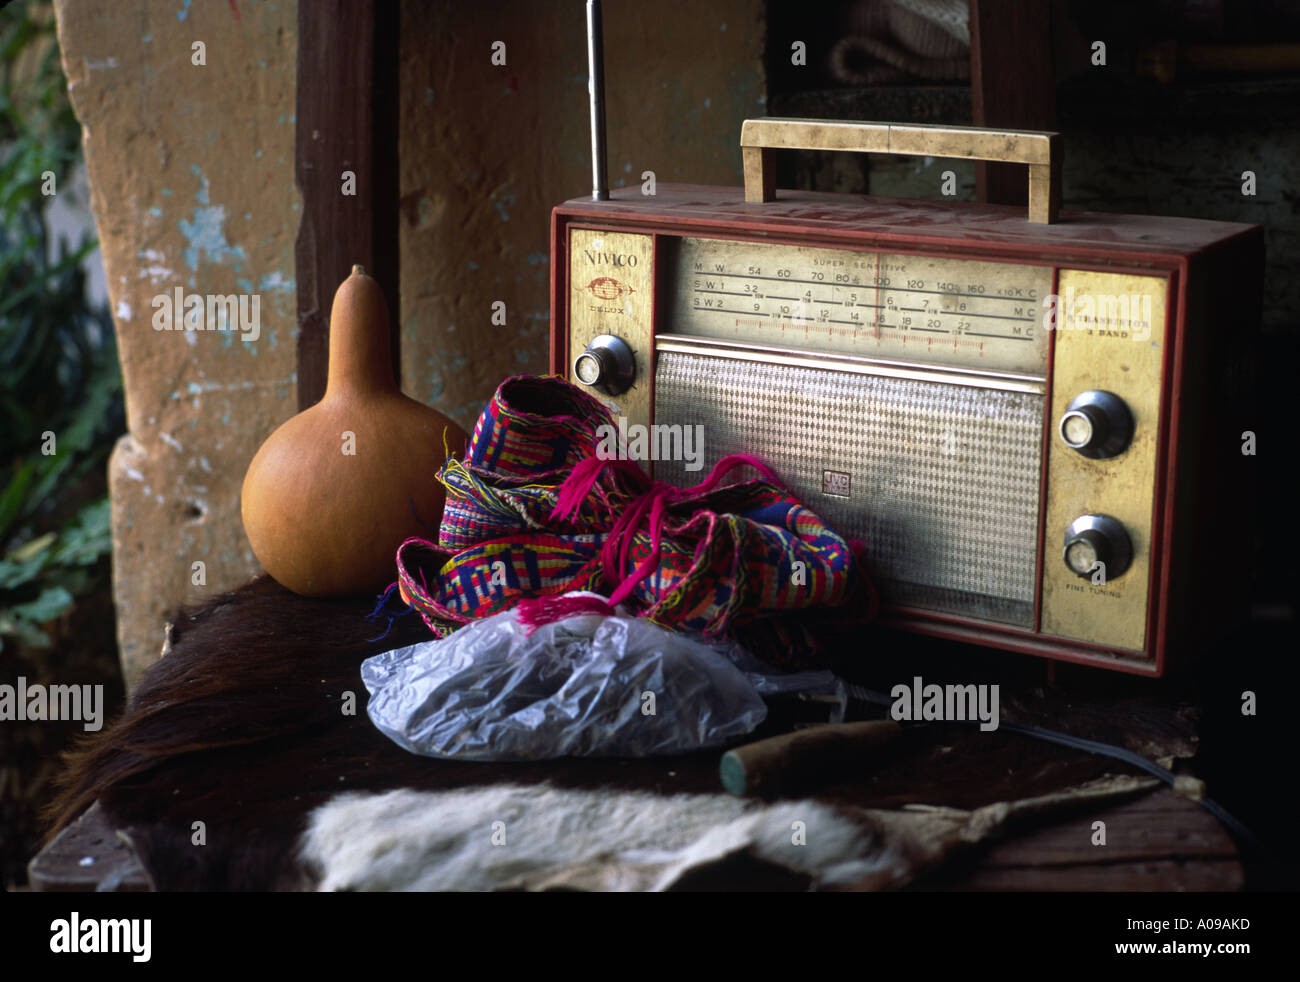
{"type": "Point", "coordinates": [941, 480]}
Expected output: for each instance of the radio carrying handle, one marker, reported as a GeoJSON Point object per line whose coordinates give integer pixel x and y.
{"type": "Point", "coordinates": [1041, 150]}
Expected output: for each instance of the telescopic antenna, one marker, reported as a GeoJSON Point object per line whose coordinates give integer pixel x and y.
{"type": "Point", "coordinates": [596, 88]}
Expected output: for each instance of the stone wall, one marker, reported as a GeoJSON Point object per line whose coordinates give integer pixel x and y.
{"type": "Point", "coordinates": [192, 187]}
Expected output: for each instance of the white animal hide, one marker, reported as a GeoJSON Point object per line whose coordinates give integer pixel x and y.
{"type": "Point", "coordinates": [513, 837]}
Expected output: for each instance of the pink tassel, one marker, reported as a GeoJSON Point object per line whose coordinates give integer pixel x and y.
{"type": "Point", "coordinates": [576, 487]}
{"type": "Point", "coordinates": [651, 503]}
{"type": "Point", "coordinates": [535, 612]}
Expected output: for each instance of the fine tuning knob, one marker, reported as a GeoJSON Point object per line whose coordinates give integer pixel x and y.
{"type": "Point", "coordinates": [607, 365]}
{"type": "Point", "coordinates": [1094, 539]}
{"type": "Point", "coordinates": [1097, 424]}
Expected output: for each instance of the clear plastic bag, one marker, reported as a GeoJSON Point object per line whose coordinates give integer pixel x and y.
{"type": "Point", "coordinates": [583, 687]}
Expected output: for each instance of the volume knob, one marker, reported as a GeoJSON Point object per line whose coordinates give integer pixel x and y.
{"type": "Point", "coordinates": [1093, 539]}
{"type": "Point", "coordinates": [1097, 424]}
{"type": "Point", "coordinates": [607, 365]}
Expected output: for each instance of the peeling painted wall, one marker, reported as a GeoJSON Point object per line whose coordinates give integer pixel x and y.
{"type": "Point", "coordinates": [191, 172]}
{"type": "Point", "coordinates": [488, 150]}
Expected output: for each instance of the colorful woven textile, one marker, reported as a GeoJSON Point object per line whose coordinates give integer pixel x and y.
{"type": "Point", "coordinates": [532, 511]}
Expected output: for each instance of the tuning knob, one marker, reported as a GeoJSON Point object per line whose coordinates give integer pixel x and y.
{"type": "Point", "coordinates": [1094, 539]}
{"type": "Point", "coordinates": [1097, 424]}
{"type": "Point", "coordinates": [607, 365]}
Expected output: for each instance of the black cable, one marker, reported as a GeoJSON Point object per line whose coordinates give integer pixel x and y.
{"type": "Point", "coordinates": [1243, 835]}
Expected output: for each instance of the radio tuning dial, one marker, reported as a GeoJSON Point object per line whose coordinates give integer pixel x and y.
{"type": "Point", "coordinates": [1094, 539]}
{"type": "Point", "coordinates": [607, 365]}
{"type": "Point", "coordinates": [1097, 424]}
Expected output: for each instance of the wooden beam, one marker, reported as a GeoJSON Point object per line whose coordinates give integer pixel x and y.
{"type": "Point", "coordinates": [347, 120]}
{"type": "Point", "coordinates": [1012, 83]}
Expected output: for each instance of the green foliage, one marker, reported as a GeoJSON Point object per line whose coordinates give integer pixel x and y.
{"type": "Point", "coordinates": [60, 385]}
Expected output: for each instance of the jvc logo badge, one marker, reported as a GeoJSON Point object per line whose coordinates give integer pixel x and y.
{"type": "Point", "coordinates": [836, 483]}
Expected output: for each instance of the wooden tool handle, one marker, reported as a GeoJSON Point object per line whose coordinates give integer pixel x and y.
{"type": "Point", "coordinates": [783, 762]}
{"type": "Point", "coordinates": [1040, 149]}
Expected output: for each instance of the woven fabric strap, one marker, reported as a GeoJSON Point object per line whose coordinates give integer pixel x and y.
{"type": "Point", "coordinates": [532, 511]}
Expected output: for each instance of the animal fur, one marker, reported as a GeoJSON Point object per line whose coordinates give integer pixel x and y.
{"type": "Point", "coordinates": [539, 838]}
{"type": "Point", "coordinates": [240, 726]}
{"type": "Point", "coordinates": [511, 836]}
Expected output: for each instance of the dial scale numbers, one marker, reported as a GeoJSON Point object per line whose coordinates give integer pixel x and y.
{"type": "Point", "coordinates": [965, 313]}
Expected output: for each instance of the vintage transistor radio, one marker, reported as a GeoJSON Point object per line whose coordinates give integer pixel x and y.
{"type": "Point", "coordinates": [1030, 419]}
